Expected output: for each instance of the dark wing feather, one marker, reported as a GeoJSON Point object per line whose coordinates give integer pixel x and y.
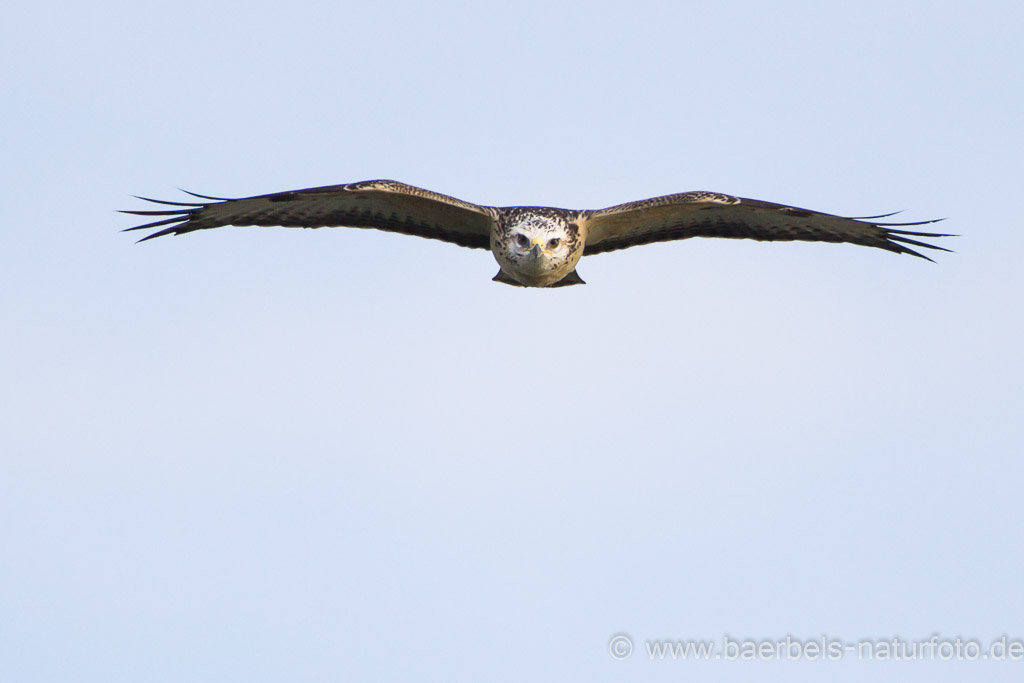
{"type": "Point", "coordinates": [709, 214]}
{"type": "Point", "coordinates": [381, 204]}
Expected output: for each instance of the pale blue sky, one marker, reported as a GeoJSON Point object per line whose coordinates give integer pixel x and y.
{"type": "Point", "coordinates": [267, 455]}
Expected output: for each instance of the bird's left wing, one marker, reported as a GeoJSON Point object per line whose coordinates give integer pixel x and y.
{"type": "Point", "coordinates": [710, 214]}
{"type": "Point", "coordinates": [381, 204]}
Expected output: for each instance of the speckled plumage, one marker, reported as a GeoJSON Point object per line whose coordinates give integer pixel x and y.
{"type": "Point", "coordinates": [558, 248]}
{"type": "Point", "coordinates": [534, 246]}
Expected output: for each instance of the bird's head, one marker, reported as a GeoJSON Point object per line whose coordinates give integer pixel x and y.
{"type": "Point", "coordinates": [537, 246]}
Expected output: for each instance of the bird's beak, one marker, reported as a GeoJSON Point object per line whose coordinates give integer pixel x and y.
{"type": "Point", "coordinates": [536, 247]}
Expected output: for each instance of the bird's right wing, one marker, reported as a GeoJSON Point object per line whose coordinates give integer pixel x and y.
{"type": "Point", "coordinates": [381, 204]}
{"type": "Point", "coordinates": [712, 214]}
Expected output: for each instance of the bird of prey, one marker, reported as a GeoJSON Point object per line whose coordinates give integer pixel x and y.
{"type": "Point", "coordinates": [535, 246]}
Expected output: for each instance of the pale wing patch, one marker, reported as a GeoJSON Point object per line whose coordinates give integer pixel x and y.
{"type": "Point", "coordinates": [621, 220]}
{"type": "Point", "coordinates": [696, 197]}
{"type": "Point", "coordinates": [413, 191]}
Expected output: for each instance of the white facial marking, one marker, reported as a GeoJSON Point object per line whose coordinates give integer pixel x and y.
{"type": "Point", "coordinates": [538, 249]}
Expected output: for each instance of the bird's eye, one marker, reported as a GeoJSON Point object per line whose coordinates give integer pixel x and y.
{"type": "Point", "coordinates": [553, 243]}
{"type": "Point", "coordinates": [522, 240]}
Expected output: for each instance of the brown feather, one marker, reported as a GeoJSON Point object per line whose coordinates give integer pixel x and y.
{"type": "Point", "coordinates": [381, 204]}
{"type": "Point", "coordinates": [707, 214]}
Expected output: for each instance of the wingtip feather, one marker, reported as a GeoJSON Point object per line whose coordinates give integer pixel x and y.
{"type": "Point", "coordinates": [916, 243]}
{"type": "Point", "coordinates": [203, 196]}
{"type": "Point", "coordinates": [896, 225]}
{"type": "Point", "coordinates": [881, 215]}
{"type": "Point", "coordinates": [194, 205]}
{"type": "Point", "coordinates": [174, 212]}
{"type": "Point", "coordinates": [155, 224]}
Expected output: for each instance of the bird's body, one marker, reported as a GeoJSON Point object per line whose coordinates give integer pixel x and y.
{"type": "Point", "coordinates": [534, 246]}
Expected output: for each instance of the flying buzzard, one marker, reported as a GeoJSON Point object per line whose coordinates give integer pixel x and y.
{"type": "Point", "coordinates": [535, 246]}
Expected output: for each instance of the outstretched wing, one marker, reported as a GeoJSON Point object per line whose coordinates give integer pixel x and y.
{"type": "Point", "coordinates": [709, 214]}
{"type": "Point", "coordinates": [381, 204]}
